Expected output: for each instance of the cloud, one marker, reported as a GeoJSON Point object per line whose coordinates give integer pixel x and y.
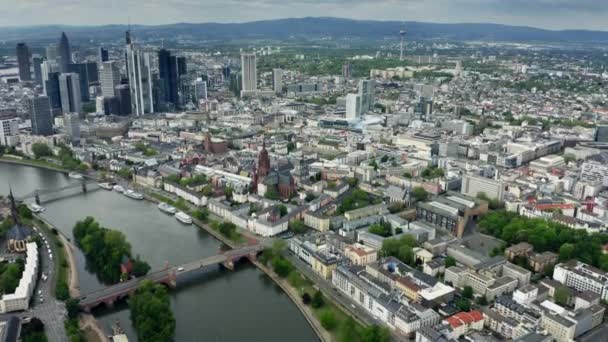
{"type": "Point", "coordinates": [589, 14]}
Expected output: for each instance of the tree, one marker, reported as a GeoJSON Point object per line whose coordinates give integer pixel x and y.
{"type": "Point", "coordinates": [306, 298]}
{"type": "Point", "coordinates": [419, 193]}
{"type": "Point", "coordinates": [298, 227]}
{"type": "Point", "coordinates": [140, 267]}
{"type": "Point", "coordinates": [450, 261]}
{"type": "Point", "coordinates": [24, 211]}
{"type": "Point", "coordinates": [467, 292]}
{"type": "Point", "coordinates": [282, 210]}
{"type": "Point", "coordinates": [348, 330]}
{"type": "Point", "coordinates": [569, 157]}
{"type": "Point", "coordinates": [463, 304]}
{"type": "Point", "coordinates": [281, 266]}
{"type": "Point", "coordinates": [328, 320]}
{"type": "Point", "coordinates": [406, 254]}
{"type": "Point", "coordinates": [407, 175]}
{"type": "Point", "coordinates": [41, 150]}
{"type": "Point", "coordinates": [561, 296]}
{"type": "Point", "coordinates": [272, 193]}
{"type": "Point", "coordinates": [375, 333]}
{"type": "Point", "coordinates": [62, 291]}
{"type": "Point", "coordinates": [72, 307]}
{"type": "Point", "coordinates": [567, 251]}
{"type": "Point", "coordinates": [317, 300]}
{"type": "Point", "coordinates": [383, 229]}
{"type": "Point", "coordinates": [151, 313]}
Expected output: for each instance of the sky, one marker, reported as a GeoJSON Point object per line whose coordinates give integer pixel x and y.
{"type": "Point", "coordinates": [551, 14]}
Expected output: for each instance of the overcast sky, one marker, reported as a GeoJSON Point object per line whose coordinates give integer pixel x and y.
{"type": "Point", "coordinates": [553, 14]}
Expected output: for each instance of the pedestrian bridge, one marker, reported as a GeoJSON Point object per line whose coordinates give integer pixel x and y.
{"type": "Point", "coordinates": [167, 276]}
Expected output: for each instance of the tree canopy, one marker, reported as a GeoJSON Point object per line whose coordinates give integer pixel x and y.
{"type": "Point", "coordinates": [151, 313]}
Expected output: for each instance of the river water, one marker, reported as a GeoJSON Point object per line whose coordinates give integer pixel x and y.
{"type": "Point", "coordinates": [244, 305]}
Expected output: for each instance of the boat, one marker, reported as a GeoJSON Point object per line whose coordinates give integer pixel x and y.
{"type": "Point", "coordinates": [106, 186]}
{"type": "Point", "coordinates": [183, 217]}
{"type": "Point", "coordinates": [164, 207]}
{"type": "Point", "coordinates": [118, 188]}
{"type": "Point", "coordinates": [133, 194]}
{"type": "Point", "coordinates": [35, 208]}
{"type": "Point", "coordinates": [75, 175]}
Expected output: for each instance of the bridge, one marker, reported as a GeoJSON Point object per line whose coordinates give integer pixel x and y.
{"type": "Point", "coordinates": [167, 276]}
{"type": "Point", "coordinates": [84, 185]}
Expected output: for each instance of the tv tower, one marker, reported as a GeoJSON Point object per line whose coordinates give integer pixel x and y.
{"type": "Point", "coordinates": [402, 34]}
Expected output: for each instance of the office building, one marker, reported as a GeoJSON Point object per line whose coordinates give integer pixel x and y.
{"type": "Point", "coordinates": [168, 73]}
{"type": "Point", "coordinates": [9, 131]}
{"type": "Point", "coordinates": [582, 277]}
{"type": "Point", "coordinates": [52, 53]}
{"type": "Point", "coordinates": [109, 78]}
{"type": "Point", "coordinates": [140, 81]}
{"type": "Point", "coordinates": [51, 85]}
{"type": "Point", "coordinates": [37, 63]}
{"type": "Point", "coordinates": [353, 106]}
{"type": "Point", "coordinates": [249, 74]}
{"type": "Point", "coordinates": [123, 95]}
{"type": "Point", "coordinates": [40, 116]}
{"type": "Point", "coordinates": [103, 55]}
{"type": "Point", "coordinates": [23, 60]}
{"type": "Point", "coordinates": [601, 133]}
{"type": "Point", "coordinates": [367, 89]}
{"type": "Point", "coordinates": [595, 171]}
{"type": "Point", "coordinates": [64, 53]}
{"type": "Point", "coordinates": [452, 211]}
{"type": "Point", "coordinates": [92, 72]}
{"type": "Point", "coordinates": [200, 90]}
{"type": "Point", "coordinates": [346, 70]}
{"type": "Point", "coordinates": [71, 123]}
{"type": "Point", "coordinates": [277, 80]}
{"type": "Point", "coordinates": [81, 69]}
{"type": "Point", "coordinates": [474, 186]}
{"type": "Point", "coordinates": [69, 90]}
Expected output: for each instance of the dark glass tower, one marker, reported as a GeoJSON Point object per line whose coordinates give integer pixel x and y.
{"type": "Point", "coordinates": [23, 60]}
{"type": "Point", "coordinates": [168, 74]}
{"type": "Point", "coordinates": [64, 52]}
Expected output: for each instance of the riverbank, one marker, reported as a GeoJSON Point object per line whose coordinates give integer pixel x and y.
{"type": "Point", "coordinates": [72, 277]}
{"type": "Point", "coordinates": [32, 163]}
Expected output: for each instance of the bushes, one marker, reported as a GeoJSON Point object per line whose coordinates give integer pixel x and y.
{"type": "Point", "coordinates": [62, 292]}
{"type": "Point", "coordinates": [151, 313]}
{"type": "Point", "coordinates": [328, 320]}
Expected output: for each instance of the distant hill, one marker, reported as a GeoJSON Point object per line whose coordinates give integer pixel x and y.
{"type": "Point", "coordinates": [310, 27]}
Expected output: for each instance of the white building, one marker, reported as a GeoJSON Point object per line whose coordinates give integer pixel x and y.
{"type": "Point", "coordinates": [20, 299]}
{"type": "Point", "coordinates": [109, 78]}
{"type": "Point", "coordinates": [9, 132]}
{"type": "Point", "coordinates": [593, 171]}
{"type": "Point", "coordinates": [140, 81]}
{"type": "Point", "coordinates": [353, 106]}
{"type": "Point", "coordinates": [249, 74]}
{"type": "Point", "coordinates": [277, 80]}
{"type": "Point", "coordinates": [71, 123]}
{"type": "Point", "coordinates": [475, 185]}
{"type": "Point", "coordinates": [582, 277]}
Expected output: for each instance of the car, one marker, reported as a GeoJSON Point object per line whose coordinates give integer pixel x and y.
{"type": "Point", "coordinates": [180, 269]}
{"type": "Point", "coordinates": [40, 292]}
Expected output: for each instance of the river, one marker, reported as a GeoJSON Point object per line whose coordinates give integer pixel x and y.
{"type": "Point", "coordinates": [244, 305]}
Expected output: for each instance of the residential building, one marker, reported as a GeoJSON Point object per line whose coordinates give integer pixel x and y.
{"type": "Point", "coordinates": [582, 277]}
{"type": "Point", "coordinates": [360, 255]}
{"type": "Point", "coordinates": [9, 131]}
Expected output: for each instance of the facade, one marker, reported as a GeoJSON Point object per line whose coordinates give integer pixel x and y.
{"type": "Point", "coordinates": [69, 90]}
{"type": "Point", "coordinates": [82, 70]}
{"type": "Point", "coordinates": [20, 299]}
{"type": "Point", "coordinates": [9, 131]}
{"type": "Point", "coordinates": [593, 171]}
{"type": "Point", "coordinates": [360, 255]}
{"type": "Point", "coordinates": [37, 63]}
{"type": "Point", "coordinates": [40, 116]}
{"type": "Point", "coordinates": [463, 322]}
{"type": "Point", "coordinates": [167, 66]}
{"type": "Point", "coordinates": [71, 123]}
{"type": "Point", "coordinates": [452, 212]}
{"type": "Point", "coordinates": [23, 61]}
{"type": "Point", "coordinates": [582, 277]}
{"type": "Point", "coordinates": [249, 74]}
{"type": "Point", "coordinates": [353, 106]}
{"type": "Point", "coordinates": [109, 78]}
{"type": "Point", "coordinates": [277, 80]}
{"type": "Point", "coordinates": [601, 133]}
{"type": "Point", "coordinates": [367, 89]}
{"type": "Point", "coordinates": [474, 185]}
{"type": "Point", "coordinates": [140, 81]}
{"type": "Point", "coordinates": [103, 55]}
{"type": "Point", "coordinates": [200, 90]}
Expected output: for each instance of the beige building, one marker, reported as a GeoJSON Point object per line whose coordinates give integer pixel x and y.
{"type": "Point", "coordinates": [360, 255]}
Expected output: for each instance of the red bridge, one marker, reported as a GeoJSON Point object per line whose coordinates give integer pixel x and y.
{"type": "Point", "coordinates": [167, 276]}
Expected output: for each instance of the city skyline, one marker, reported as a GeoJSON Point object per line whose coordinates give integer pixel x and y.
{"type": "Point", "coordinates": [548, 14]}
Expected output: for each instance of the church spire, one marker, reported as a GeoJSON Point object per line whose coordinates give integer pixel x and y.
{"type": "Point", "coordinates": [14, 211]}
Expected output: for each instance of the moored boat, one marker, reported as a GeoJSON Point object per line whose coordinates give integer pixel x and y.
{"type": "Point", "coordinates": [183, 217]}
{"type": "Point", "coordinates": [133, 194]}
{"type": "Point", "coordinates": [35, 208]}
{"type": "Point", "coordinates": [166, 208]}
{"type": "Point", "coordinates": [106, 186]}
{"type": "Point", "coordinates": [118, 188]}
{"type": "Point", "coordinates": [75, 175]}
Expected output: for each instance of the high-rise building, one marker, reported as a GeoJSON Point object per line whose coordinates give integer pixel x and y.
{"type": "Point", "coordinates": [92, 72]}
{"type": "Point", "coordinates": [71, 123]}
{"type": "Point", "coordinates": [367, 89]}
{"type": "Point", "coordinates": [249, 74]}
{"type": "Point", "coordinates": [277, 80]}
{"type": "Point", "coordinates": [50, 84]}
{"type": "Point", "coordinates": [40, 116]}
{"type": "Point", "coordinates": [37, 62]}
{"type": "Point", "coordinates": [168, 73]}
{"type": "Point", "coordinates": [52, 53]}
{"type": "Point", "coordinates": [9, 131]}
{"type": "Point", "coordinates": [81, 70]}
{"type": "Point", "coordinates": [346, 70]}
{"type": "Point", "coordinates": [63, 50]}
{"type": "Point", "coordinates": [69, 89]}
{"type": "Point", "coordinates": [182, 67]}
{"type": "Point", "coordinates": [103, 55]}
{"type": "Point", "coordinates": [601, 133]}
{"type": "Point", "coordinates": [200, 89]}
{"type": "Point", "coordinates": [23, 60]}
{"type": "Point", "coordinates": [226, 72]}
{"type": "Point", "coordinates": [353, 106]}
{"type": "Point", "coordinates": [123, 94]}
{"type": "Point", "coordinates": [140, 81]}
{"type": "Point", "coordinates": [109, 77]}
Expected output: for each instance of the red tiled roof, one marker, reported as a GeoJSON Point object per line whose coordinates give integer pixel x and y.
{"type": "Point", "coordinates": [462, 318]}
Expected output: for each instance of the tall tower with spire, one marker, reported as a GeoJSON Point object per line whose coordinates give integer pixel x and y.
{"type": "Point", "coordinates": [402, 35]}
{"type": "Point", "coordinates": [14, 211]}
{"type": "Point", "coordinates": [64, 52]}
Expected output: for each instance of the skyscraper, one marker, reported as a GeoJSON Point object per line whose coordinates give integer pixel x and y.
{"type": "Point", "coordinates": [123, 94]}
{"type": "Point", "coordinates": [367, 89]}
{"type": "Point", "coordinates": [92, 72]}
{"type": "Point", "coordinates": [103, 55]}
{"type": "Point", "coordinates": [353, 106]}
{"type": "Point", "coordinates": [37, 62]}
{"type": "Point", "coordinates": [140, 80]}
{"type": "Point", "coordinates": [249, 74]}
{"type": "Point", "coordinates": [81, 70]}
{"type": "Point", "coordinates": [200, 89]}
{"type": "Point", "coordinates": [168, 73]}
{"type": "Point", "coordinates": [69, 89]}
{"type": "Point", "coordinates": [346, 70]}
{"type": "Point", "coordinates": [109, 77]}
{"type": "Point", "coordinates": [40, 116]}
{"type": "Point", "coordinates": [71, 123]}
{"type": "Point", "coordinates": [51, 53]}
{"type": "Point", "coordinates": [51, 89]}
{"type": "Point", "coordinates": [64, 52]}
{"type": "Point", "coordinates": [277, 80]}
{"type": "Point", "coordinates": [23, 60]}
